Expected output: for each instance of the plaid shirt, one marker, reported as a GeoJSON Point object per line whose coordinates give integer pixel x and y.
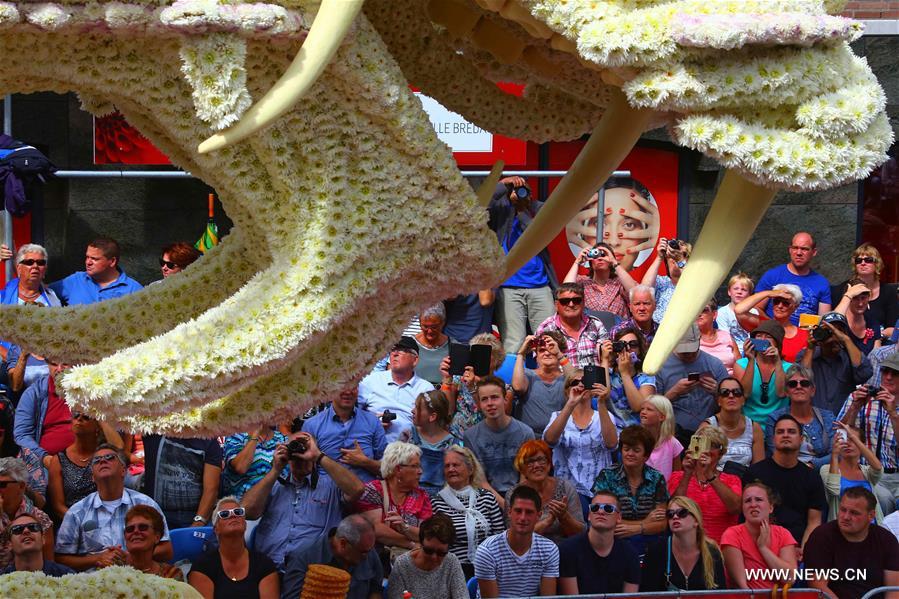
{"type": "Point", "coordinates": [876, 431]}
{"type": "Point", "coordinates": [581, 351]}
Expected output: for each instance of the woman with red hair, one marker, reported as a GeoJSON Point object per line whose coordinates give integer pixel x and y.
{"type": "Point", "coordinates": [176, 257]}
{"type": "Point", "coordinates": [562, 515]}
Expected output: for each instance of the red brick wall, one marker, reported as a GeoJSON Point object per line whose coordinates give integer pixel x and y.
{"type": "Point", "coordinates": [872, 9]}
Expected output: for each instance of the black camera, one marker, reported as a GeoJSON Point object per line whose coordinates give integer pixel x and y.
{"type": "Point", "coordinates": [388, 416]}
{"type": "Point", "coordinates": [297, 447]}
{"type": "Point", "coordinates": [872, 390]}
{"type": "Point", "coordinates": [618, 346]}
{"type": "Point", "coordinates": [820, 333]}
{"type": "Point", "coordinates": [522, 193]}
{"type": "Point", "coordinates": [594, 253]}
{"type": "Point", "coordinates": [673, 245]}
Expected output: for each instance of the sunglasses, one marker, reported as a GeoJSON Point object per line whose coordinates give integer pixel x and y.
{"type": "Point", "coordinates": [432, 551]}
{"type": "Point", "coordinates": [678, 513]}
{"type": "Point", "coordinates": [17, 529]}
{"type": "Point", "coordinates": [32, 262]}
{"type": "Point", "coordinates": [575, 383]}
{"type": "Point", "coordinates": [537, 460]}
{"type": "Point", "coordinates": [167, 264]}
{"type": "Point", "coordinates": [6, 483]}
{"type": "Point", "coordinates": [865, 260]}
{"type": "Point", "coordinates": [731, 393]}
{"type": "Point", "coordinates": [609, 508]}
{"type": "Point", "coordinates": [143, 527]}
{"type": "Point", "coordinates": [81, 416]}
{"type": "Point", "coordinates": [99, 459]}
{"type": "Point", "coordinates": [235, 511]}
{"type": "Point", "coordinates": [569, 301]}
{"type": "Point", "coordinates": [804, 383]}
{"type": "Point", "coordinates": [633, 344]}
{"type": "Point", "coordinates": [781, 300]}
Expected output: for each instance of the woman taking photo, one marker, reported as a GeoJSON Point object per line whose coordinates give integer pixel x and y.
{"type": "Point", "coordinates": [70, 475]}
{"type": "Point", "coordinates": [430, 432]}
{"type": "Point", "coordinates": [604, 289]}
{"type": "Point", "coordinates": [582, 438]}
{"type": "Point", "coordinates": [716, 493]}
{"type": "Point", "coordinates": [817, 423]}
{"type": "Point", "coordinates": [762, 373]}
{"type": "Point", "coordinates": [143, 530]}
{"type": "Point", "coordinates": [641, 491]}
{"type": "Point", "coordinates": [883, 304]}
{"type": "Point", "coordinates": [629, 387]}
{"type": "Point", "coordinates": [784, 298]}
{"type": "Point", "coordinates": [562, 515]}
{"type": "Point", "coordinates": [657, 416]}
{"type": "Point", "coordinates": [396, 505]}
{"type": "Point", "coordinates": [845, 471]}
{"type": "Point", "coordinates": [757, 545]}
{"type": "Point", "coordinates": [745, 438]}
{"type": "Point", "coordinates": [675, 253]}
{"type": "Point", "coordinates": [687, 560]}
{"type": "Point", "coordinates": [540, 392]}
{"type": "Point", "coordinates": [474, 510]}
{"type": "Point", "coordinates": [232, 570]}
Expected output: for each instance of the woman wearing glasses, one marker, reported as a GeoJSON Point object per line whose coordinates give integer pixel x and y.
{"type": "Point", "coordinates": [883, 303]}
{"type": "Point", "coordinates": [745, 438]}
{"type": "Point", "coordinates": [716, 493]}
{"type": "Point", "coordinates": [582, 437]}
{"type": "Point", "coordinates": [28, 286]}
{"type": "Point", "coordinates": [70, 478]}
{"type": "Point", "coordinates": [176, 257]}
{"type": "Point", "coordinates": [687, 560]}
{"type": "Point", "coordinates": [562, 515]}
{"type": "Point", "coordinates": [756, 545]}
{"type": "Point", "coordinates": [143, 530]}
{"type": "Point", "coordinates": [429, 570]}
{"type": "Point", "coordinates": [629, 387]}
{"type": "Point", "coordinates": [232, 570]}
{"type": "Point", "coordinates": [817, 423]}
{"type": "Point", "coordinates": [784, 298]}
{"type": "Point", "coordinates": [13, 478]}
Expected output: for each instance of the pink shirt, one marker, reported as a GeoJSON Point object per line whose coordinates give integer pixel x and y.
{"type": "Point", "coordinates": [738, 536]}
{"type": "Point", "coordinates": [663, 454]}
{"type": "Point", "coordinates": [715, 517]}
{"type": "Point", "coordinates": [720, 348]}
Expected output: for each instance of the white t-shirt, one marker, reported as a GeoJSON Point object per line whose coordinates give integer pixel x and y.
{"type": "Point", "coordinates": [516, 575]}
{"type": "Point", "coordinates": [727, 321]}
{"type": "Point", "coordinates": [581, 453]}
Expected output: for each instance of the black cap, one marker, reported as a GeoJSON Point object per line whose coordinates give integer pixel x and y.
{"type": "Point", "coordinates": [406, 344]}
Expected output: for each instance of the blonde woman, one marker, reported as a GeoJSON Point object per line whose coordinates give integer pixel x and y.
{"type": "Point", "coordinates": [688, 559]}
{"type": "Point", "coordinates": [657, 416]}
{"type": "Point", "coordinates": [866, 264]}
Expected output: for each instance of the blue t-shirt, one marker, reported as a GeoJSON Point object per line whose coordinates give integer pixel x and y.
{"type": "Point", "coordinates": [815, 289]}
{"type": "Point", "coordinates": [532, 274]}
{"type": "Point", "coordinates": [79, 288]}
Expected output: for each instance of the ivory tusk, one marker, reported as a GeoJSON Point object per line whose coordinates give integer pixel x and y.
{"type": "Point", "coordinates": [736, 211]}
{"type": "Point", "coordinates": [485, 191]}
{"type": "Point", "coordinates": [326, 35]}
{"type": "Point", "coordinates": [614, 136]}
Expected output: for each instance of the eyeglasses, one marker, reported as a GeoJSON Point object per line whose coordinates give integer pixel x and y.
{"type": "Point", "coordinates": [235, 511]}
{"type": "Point", "coordinates": [430, 327]}
{"type": "Point", "coordinates": [731, 393]}
{"type": "Point", "coordinates": [414, 466]}
{"type": "Point", "coordinates": [32, 262]}
{"type": "Point", "coordinates": [81, 416]}
{"type": "Point", "coordinates": [781, 300]}
{"type": "Point", "coordinates": [804, 383]}
{"type": "Point", "coordinates": [167, 264]}
{"type": "Point", "coordinates": [865, 259]}
{"type": "Point", "coordinates": [17, 529]}
{"type": "Point", "coordinates": [142, 527]}
{"type": "Point", "coordinates": [537, 460]}
{"type": "Point", "coordinates": [680, 513]}
{"type": "Point", "coordinates": [107, 457]}
{"type": "Point", "coordinates": [432, 551]}
{"type": "Point", "coordinates": [609, 508]}
{"type": "Point", "coordinates": [569, 301]}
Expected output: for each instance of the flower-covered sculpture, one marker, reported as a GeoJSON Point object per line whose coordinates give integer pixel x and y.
{"type": "Point", "coordinates": [349, 213]}
{"type": "Point", "coordinates": [116, 581]}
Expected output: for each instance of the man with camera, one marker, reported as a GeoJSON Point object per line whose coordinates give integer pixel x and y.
{"type": "Point", "coordinates": [837, 363]}
{"type": "Point", "coordinates": [525, 298]}
{"type": "Point", "coordinates": [872, 410]}
{"type": "Point", "coordinates": [798, 271]}
{"type": "Point", "coordinates": [302, 507]}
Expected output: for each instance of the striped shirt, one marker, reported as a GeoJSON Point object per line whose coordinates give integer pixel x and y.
{"type": "Point", "coordinates": [581, 351]}
{"type": "Point", "coordinates": [486, 504]}
{"type": "Point", "coordinates": [875, 430]}
{"type": "Point", "coordinates": [237, 484]}
{"type": "Point", "coordinates": [517, 575]}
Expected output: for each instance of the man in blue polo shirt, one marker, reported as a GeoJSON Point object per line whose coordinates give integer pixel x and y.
{"type": "Point", "coordinates": [102, 278]}
{"type": "Point", "coordinates": [350, 435]}
{"type": "Point", "coordinates": [798, 271]}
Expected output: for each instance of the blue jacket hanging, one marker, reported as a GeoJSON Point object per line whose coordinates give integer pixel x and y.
{"type": "Point", "coordinates": [22, 168]}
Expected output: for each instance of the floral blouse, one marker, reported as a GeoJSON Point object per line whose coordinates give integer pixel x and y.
{"type": "Point", "coordinates": [651, 492]}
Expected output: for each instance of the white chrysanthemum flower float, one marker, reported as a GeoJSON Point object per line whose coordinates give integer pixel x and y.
{"type": "Point", "coordinates": [350, 214]}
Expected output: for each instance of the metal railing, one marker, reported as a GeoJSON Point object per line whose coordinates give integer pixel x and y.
{"type": "Point", "coordinates": [878, 591]}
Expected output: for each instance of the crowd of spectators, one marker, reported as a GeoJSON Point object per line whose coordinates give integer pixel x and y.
{"type": "Point", "coordinates": [767, 440]}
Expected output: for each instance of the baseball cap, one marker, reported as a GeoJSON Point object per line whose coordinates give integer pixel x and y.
{"type": "Point", "coordinates": [406, 344]}
{"type": "Point", "coordinates": [836, 319]}
{"type": "Point", "coordinates": [689, 343]}
{"type": "Point", "coordinates": [773, 328]}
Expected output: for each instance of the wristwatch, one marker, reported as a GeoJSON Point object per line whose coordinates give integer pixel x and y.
{"type": "Point", "coordinates": [200, 519]}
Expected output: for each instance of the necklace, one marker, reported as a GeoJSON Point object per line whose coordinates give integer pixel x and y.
{"type": "Point", "coordinates": [29, 297]}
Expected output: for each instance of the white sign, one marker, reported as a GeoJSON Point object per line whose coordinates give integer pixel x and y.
{"type": "Point", "coordinates": [455, 131]}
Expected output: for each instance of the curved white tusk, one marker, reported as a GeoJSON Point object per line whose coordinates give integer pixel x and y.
{"type": "Point", "coordinates": [330, 27]}
{"type": "Point", "coordinates": [737, 210]}
{"type": "Point", "coordinates": [616, 133]}
{"type": "Point", "coordinates": [485, 191]}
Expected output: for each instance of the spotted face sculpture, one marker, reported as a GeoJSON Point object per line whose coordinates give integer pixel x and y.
{"type": "Point", "coordinates": [350, 214]}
